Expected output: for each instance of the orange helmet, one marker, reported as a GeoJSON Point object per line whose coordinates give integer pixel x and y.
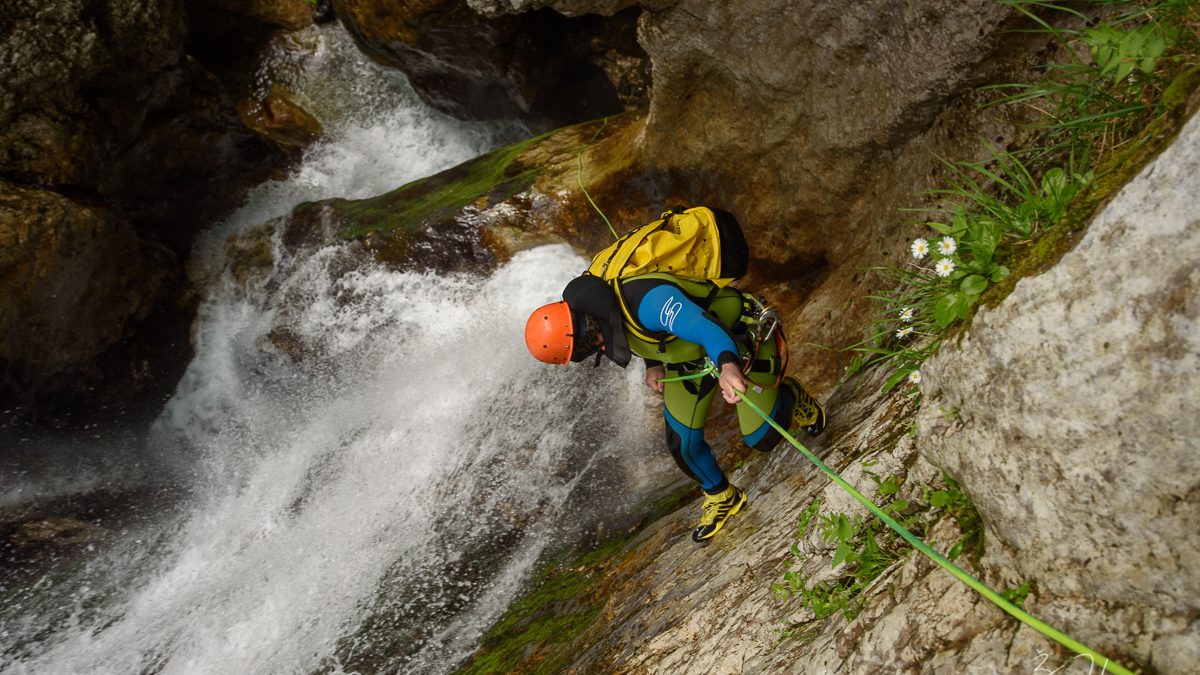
{"type": "Point", "coordinates": [549, 333]}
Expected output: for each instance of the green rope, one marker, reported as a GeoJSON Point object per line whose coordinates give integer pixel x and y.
{"type": "Point", "coordinates": [579, 177]}
{"type": "Point", "coordinates": [708, 369]}
{"type": "Point", "coordinates": [1030, 620]}
{"type": "Point", "coordinates": [999, 600]}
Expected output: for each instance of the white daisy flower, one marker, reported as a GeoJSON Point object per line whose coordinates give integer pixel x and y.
{"type": "Point", "coordinates": [914, 377]}
{"type": "Point", "coordinates": [920, 248]}
{"type": "Point", "coordinates": [944, 267]}
{"type": "Point", "coordinates": [904, 332]}
{"type": "Point", "coordinates": [947, 246]}
{"type": "Point", "coordinates": [906, 314]}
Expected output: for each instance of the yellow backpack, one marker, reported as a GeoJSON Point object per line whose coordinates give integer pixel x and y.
{"type": "Point", "coordinates": [696, 244]}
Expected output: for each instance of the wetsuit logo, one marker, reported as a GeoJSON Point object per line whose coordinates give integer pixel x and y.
{"type": "Point", "coordinates": [670, 310]}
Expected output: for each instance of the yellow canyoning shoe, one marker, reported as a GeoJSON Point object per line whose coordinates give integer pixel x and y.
{"type": "Point", "coordinates": [717, 509]}
{"type": "Point", "coordinates": [807, 413]}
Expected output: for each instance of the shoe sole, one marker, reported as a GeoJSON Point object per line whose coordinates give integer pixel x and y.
{"type": "Point", "coordinates": [799, 392]}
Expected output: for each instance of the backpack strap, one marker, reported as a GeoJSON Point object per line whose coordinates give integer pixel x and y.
{"type": "Point", "coordinates": [635, 327]}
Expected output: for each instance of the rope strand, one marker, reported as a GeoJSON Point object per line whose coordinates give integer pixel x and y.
{"type": "Point", "coordinates": [579, 177]}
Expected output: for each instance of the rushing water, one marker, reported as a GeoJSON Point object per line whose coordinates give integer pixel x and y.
{"type": "Point", "coordinates": [369, 462]}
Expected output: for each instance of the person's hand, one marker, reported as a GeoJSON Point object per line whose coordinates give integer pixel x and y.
{"type": "Point", "coordinates": [653, 375]}
{"type": "Point", "coordinates": [732, 380]}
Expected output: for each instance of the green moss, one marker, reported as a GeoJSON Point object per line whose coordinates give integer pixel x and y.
{"type": "Point", "coordinates": [1177, 93]}
{"type": "Point", "coordinates": [495, 177]}
{"type": "Point", "coordinates": [564, 599]}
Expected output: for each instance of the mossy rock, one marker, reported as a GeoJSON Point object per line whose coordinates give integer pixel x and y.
{"type": "Point", "coordinates": [1042, 253]}
{"type": "Point", "coordinates": [444, 222]}
{"type": "Point", "coordinates": [537, 632]}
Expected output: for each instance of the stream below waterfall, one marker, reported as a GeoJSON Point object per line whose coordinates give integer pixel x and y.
{"type": "Point", "coordinates": [371, 506]}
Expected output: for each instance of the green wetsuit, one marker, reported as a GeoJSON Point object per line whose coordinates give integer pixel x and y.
{"type": "Point", "coordinates": [668, 306]}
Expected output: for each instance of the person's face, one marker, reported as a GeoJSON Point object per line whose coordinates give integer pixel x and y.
{"type": "Point", "coordinates": [591, 341]}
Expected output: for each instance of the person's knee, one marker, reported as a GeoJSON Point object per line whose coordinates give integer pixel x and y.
{"type": "Point", "coordinates": [767, 438]}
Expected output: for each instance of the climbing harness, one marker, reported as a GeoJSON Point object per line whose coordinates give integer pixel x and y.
{"type": "Point", "coordinates": [999, 600]}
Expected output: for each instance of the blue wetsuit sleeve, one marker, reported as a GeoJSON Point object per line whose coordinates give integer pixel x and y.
{"type": "Point", "coordinates": [667, 308]}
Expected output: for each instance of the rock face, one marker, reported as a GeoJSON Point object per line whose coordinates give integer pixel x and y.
{"type": "Point", "coordinates": [289, 14]}
{"type": "Point", "coordinates": [1068, 413]}
{"type": "Point", "coordinates": [670, 606]}
{"type": "Point", "coordinates": [814, 122]}
{"type": "Point", "coordinates": [110, 138]}
{"type": "Point", "coordinates": [539, 65]}
{"type": "Point", "coordinates": [1077, 420]}
{"type": "Point", "coordinates": [63, 296]}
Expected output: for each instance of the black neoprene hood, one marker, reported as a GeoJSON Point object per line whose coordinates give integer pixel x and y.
{"type": "Point", "coordinates": [590, 295]}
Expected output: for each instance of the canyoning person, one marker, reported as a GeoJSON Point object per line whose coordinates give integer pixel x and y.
{"type": "Point", "coordinates": [683, 327]}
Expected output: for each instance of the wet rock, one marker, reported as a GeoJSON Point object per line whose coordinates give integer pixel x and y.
{"type": "Point", "coordinates": [109, 134]}
{"type": "Point", "coordinates": [1078, 401]}
{"type": "Point", "coordinates": [279, 118]}
{"type": "Point", "coordinates": [481, 212]}
{"type": "Point", "coordinates": [71, 277]}
{"type": "Point", "coordinates": [55, 49]}
{"type": "Point", "coordinates": [57, 532]}
{"type": "Point", "coordinates": [185, 168]}
{"type": "Point", "coordinates": [286, 14]}
{"type": "Point", "coordinates": [99, 99]}
{"type": "Point", "coordinates": [539, 65]}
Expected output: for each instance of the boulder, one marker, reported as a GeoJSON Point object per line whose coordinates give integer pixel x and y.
{"type": "Point", "coordinates": [54, 50]}
{"type": "Point", "coordinates": [99, 99]}
{"type": "Point", "coordinates": [539, 65]}
{"type": "Point", "coordinates": [481, 212]}
{"type": "Point", "coordinates": [1070, 414]}
{"type": "Point", "coordinates": [285, 14]}
{"type": "Point", "coordinates": [71, 277]}
{"type": "Point", "coordinates": [110, 137]}
{"type": "Point", "coordinates": [278, 117]}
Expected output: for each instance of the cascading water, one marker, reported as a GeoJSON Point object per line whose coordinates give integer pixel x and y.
{"type": "Point", "coordinates": [371, 495]}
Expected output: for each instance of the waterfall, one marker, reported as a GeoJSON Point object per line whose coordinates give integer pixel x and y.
{"type": "Point", "coordinates": [368, 491]}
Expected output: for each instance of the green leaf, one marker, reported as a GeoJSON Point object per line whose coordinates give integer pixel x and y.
{"type": "Point", "coordinates": [896, 378]}
{"type": "Point", "coordinates": [842, 553]}
{"type": "Point", "coordinates": [1124, 70]}
{"type": "Point", "coordinates": [899, 505]}
{"type": "Point", "coordinates": [889, 487]}
{"type": "Point", "coordinates": [962, 308]}
{"type": "Point", "coordinates": [999, 273]}
{"type": "Point", "coordinates": [945, 311]}
{"type": "Point", "coordinates": [939, 499]}
{"type": "Point", "coordinates": [940, 228]}
{"type": "Point", "coordinates": [958, 224]}
{"type": "Point", "coordinates": [845, 529]}
{"type": "Point", "coordinates": [1103, 56]}
{"type": "Point", "coordinates": [1054, 181]}
{"type": "Point", "coordinates": [1131, 44]}
{"type": "Point", "coordinates": [973, 285]}
{"type": "Point", "coordinates": [955, 551]}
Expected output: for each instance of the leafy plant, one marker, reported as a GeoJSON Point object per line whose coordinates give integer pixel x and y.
{"type": "Point", "coordinates": [1117, 53]}
{"type": "Point", "coordinates": [863, 548]}
{"type": "Point", "coordinates": [1018, 594]}
{"type": "Point", "coordinates": [958, 506]}
{"type": "Point", "coordinates": [1112, 82]}
{"type": "Point", "coordinates": [1118, 75]}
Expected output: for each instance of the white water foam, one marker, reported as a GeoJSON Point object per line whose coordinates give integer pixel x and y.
{"type": "Point", "coordinates": [375, 462]}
